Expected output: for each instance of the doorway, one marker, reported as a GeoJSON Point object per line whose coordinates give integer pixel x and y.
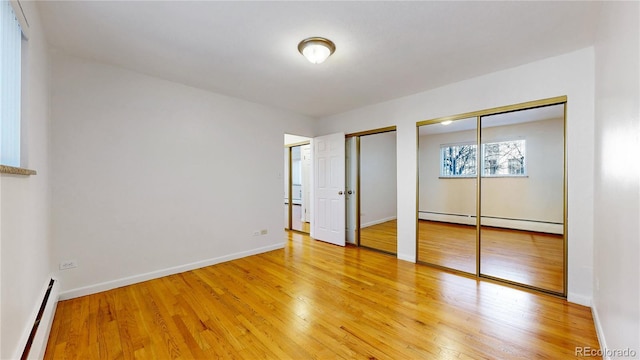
{"type": "Point", "coordinates": [297, 183]}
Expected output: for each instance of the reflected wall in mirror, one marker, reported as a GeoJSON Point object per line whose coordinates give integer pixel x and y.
{"type": "Point", "coordinates": [378, 191]}
{"type": "Point", "coordinates": [447, 174]}
{"type": "Point", "coordinates": [522, 197]}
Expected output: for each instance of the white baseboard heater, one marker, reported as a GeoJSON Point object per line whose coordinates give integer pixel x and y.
{"type": "Point", "coordinates": [36, 343]}
{"type": "Point", "coordinates": [516, 224]}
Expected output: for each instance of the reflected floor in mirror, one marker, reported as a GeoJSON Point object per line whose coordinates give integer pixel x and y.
{"type": "Point", "coordinates": [448, 245]}
{"type": "Point", "coordinates": [529, 258]}
{"type": "Point", "coordinates": [382, 236]}
{"type": "Point", "coordinates": [526, 257]}
{"type": "Point", "coordinates": [313, 300]}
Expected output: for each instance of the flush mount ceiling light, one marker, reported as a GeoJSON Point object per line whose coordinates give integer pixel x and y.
{"type": "Point", "coordinates": [316, 49]}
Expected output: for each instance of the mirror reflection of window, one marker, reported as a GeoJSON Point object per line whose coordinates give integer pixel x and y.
{"type": "Point", "coordinates": [504, 158]}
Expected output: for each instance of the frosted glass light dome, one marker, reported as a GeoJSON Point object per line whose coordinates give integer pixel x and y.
{"type": "Point", "coordinates": [316, 49]}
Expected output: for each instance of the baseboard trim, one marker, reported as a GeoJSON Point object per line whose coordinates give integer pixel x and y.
{"type": "Point", "coordinates": [109, 285]}
{"type": "Point", "coordinates": [579, 299]}
{"type": "Point", "coordinates": [407, 257]}
{"type": "Point", "coordinates": [599, 331]}
{"type": "Point", "coordinates": [379, 221]}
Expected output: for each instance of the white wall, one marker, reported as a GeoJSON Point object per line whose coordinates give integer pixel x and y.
{"type": "Point", "coordinates": [569, 74]}
{"type": "Point", "coordinates": [25, 201]}
{"type": "Point", "coordinates": [294, 139]}
{"type": "Point", "coordinates": [617, 177]}
{"type": "Point", "coordinates": [536, 197]}
{"type": "Point", "coordinates": [152, 177]}
{"type": "Point", "coordinates": [378, 183]}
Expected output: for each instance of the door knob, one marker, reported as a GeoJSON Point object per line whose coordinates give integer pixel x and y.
{"type": "Point", "coordinates": [339, 192]}
{"type": "Point", "coordinates": [350, 192]}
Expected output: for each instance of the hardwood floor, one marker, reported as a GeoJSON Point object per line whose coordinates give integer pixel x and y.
{"type": "Point", "coordinates": [382, 236]}
{"type": "Point", "coordinates": [525, 257]}
{"type": "Point", "coordinates": [313, 300]}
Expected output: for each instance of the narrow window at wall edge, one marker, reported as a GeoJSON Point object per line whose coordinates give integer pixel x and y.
{"type": "Point", "coordinates": [10, 84]}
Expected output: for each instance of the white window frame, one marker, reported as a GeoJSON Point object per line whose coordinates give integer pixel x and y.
{"type": "Point", "coordinates": [524, 160]}
{"type": "Point", "coordinates": [482, 169]}
{"type": "Point", "coordinates": [443, 147]}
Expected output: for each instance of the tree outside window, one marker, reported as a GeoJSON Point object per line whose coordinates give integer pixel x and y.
{"type": "Point", "coordinates": [505, 158]}
{"type": "Point", "coordinates": [458, 160]}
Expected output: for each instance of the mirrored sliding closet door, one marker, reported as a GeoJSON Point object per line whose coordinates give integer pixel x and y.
{"type": "Point", "coordinates": [522, 197]}
{"type": "Point", "coordinates": [378, 191]}
{"type": "Point", "coordinates": [447, 176]}
{"type": "Point", "coordinates": [492, 194]}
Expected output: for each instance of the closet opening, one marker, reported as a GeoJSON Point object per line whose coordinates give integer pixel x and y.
{"type": "Point", "coordinates": [492, 194]}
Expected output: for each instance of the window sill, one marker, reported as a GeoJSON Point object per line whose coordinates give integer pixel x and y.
{"type": "Point", "coordinates": [4, 169]}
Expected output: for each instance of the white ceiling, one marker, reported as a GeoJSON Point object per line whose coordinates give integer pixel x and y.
{"type": "Point", "coordinates": [385, 50]}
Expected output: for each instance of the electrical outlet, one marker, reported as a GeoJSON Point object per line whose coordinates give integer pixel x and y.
{"type": "Point", "coordinates": [264, 232]}
{"type": "Point", "coordinates": [69, 264]}
{"type": "Point", "coordinates": [256, 233]}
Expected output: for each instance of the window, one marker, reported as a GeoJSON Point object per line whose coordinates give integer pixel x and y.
{"type": "Point", "coordinates": [458, 160]}
{"type": "Point", "coordinates": [10, 77]}
{"type": "Point", "coordinates": [505, 158]}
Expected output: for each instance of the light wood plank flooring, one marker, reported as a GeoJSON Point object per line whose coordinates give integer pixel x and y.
{"type": "Point", "coordinates": [525, 257]}
{"type": "Point", "coordinates": [382, 236]}
{"type": "Point", "coordinates": [313, 300]}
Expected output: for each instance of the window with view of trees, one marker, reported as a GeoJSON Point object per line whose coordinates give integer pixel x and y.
{"type": "Point", "coordinates": [505, 158]}
{"type": "Point", "coordinates": [458, 160]}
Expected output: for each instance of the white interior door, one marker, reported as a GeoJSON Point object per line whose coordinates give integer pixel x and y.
{"type": "Point", "coordinates": [328, 185]}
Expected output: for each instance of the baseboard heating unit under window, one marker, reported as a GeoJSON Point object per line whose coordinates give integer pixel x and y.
{"type": "Point", "coordinates": [37, 341]}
